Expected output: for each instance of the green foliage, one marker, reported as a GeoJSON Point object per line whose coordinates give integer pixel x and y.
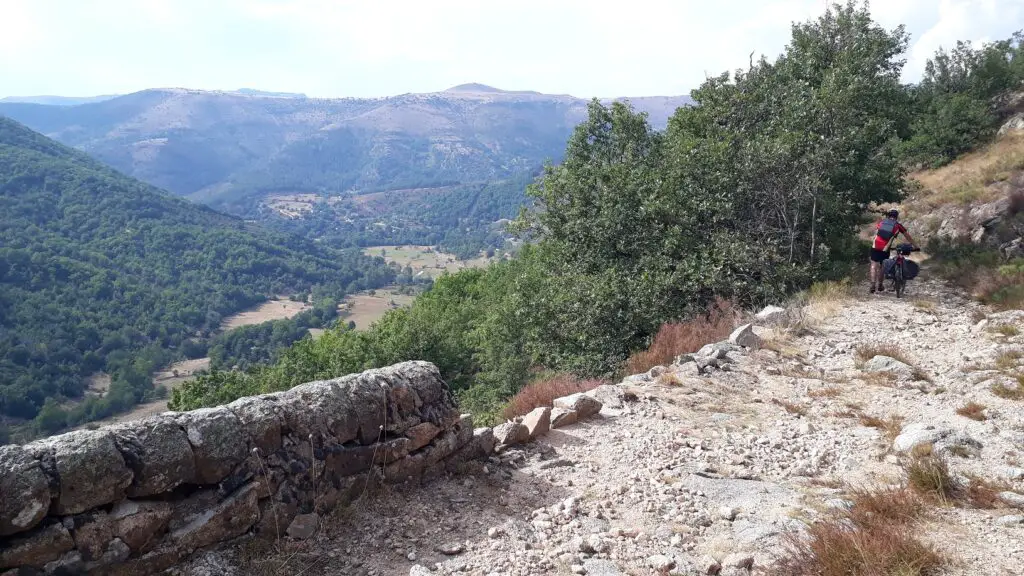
{"type": "Point", "coordinates": [956, 105]}
{"type": "Point", "coordinates": [99, 272]}
{"type": "Point", "coordinates": [460, 219]}
{"type": "Point", "coordinates": [248, 346]}
{"type": "Point", "coordinates": [756, 191]}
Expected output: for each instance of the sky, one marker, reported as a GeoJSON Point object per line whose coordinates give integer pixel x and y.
{"type": "Point", "coordinates": [370, 48]}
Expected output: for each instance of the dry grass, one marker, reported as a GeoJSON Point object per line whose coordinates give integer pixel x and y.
{"type": "Point", "coordinates": [798, 409]}
{"type": "Point", "coordinates": [925, 305]}
{"type": "Point", "coordinates": [685, 337]}
{"type": "Point", "coordinates": [873, 538]}
{"type": "Point", "coordinates": [830, 392]}
{"type": "Point", "coordinates": [544, 392]}
{"type": "Point", "coordinates": [973, 410]}
{"type": "Point", "coordinates": [1008, 360]}
{"type": "Point", "coordinates": [984, 494]}
{"type": "Point", "coordinates": [1008, 392]}
{"type": "Point", "coordinates": [883, 379]}
{"type": "Point", "coordinates": [890, 505]}
{"type": "Point", "coordinates": [890, 427]}
{"type": "Point", "coordinates": [825, 299]}
{"type": "Point", "coordinates": [1008, 330]}
{"type": "Point", "coordinates": [967, 179]}
{"type": "Point", "coordinates": [928, 475]}
{"type": "Point", "coordinates": [866, 352]}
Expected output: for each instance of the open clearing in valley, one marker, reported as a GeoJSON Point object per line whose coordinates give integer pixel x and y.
{"type": "Point", "coordinates": [277, 309]}
{"type": "Point", "coordinates": [425, 259]}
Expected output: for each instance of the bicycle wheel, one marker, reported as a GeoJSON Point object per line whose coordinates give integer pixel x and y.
{"type": "Point", "coordinates": [899, 281]}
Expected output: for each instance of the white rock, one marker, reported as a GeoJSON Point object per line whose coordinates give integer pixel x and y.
{"type": "Point", "coordinates": [1011, 520]}
{"type": "Point", "coordinates": [771, 314]}
{"type": "Point", "coordinates": [918, 434]}
{"type": "Point", "coordinates": [728, 513]}
{"type": "Point", "coordinates": [744, 336]}
{"type": "Point", "coordinates": [562, 417]}
{"type": "Point", "coordinates": [418, 570]}
{"type": "Point", "coordinates": [888, 364]}
{"type": "Point", "coordinates": [584, 405]}
{"type": "Point", "coordinates": [661, 563]}
{"type": "Point", "coordinates": [1012, 498]}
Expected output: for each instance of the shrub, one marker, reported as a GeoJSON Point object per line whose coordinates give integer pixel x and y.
{"type": "Point", "coordinates": [866, 352]}
{"type": "Point", "coordinates": [544, 392]}
{"type": "Point", "coordinates": [972, 410]}
{"type": "Point", "coordinates": [675, 338]}
{"type": "Point", "coordinates": [928, 475]}
{"type": "Point", "coordinates": [891, 427]}
{"type": "Point", "coordinates": [870, 539]}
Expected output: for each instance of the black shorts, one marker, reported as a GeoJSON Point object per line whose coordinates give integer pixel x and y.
{"type": "Point", "coordinates": [879, 255]}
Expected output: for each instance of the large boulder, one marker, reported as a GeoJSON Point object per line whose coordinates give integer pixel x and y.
{"type": "Point", "coordinates": [1014, 124]}
{"type": "Point", "coordinates": [771, 315]}
{"type": "Point", "coordinates": [24, 491]}
{"type": "Point", "coordinates": [158, 452]}
{"type": "Point", "coordinates": [218, 441]}
{"type": "Point", "coordinates": [511, 433]}
{"type": "Point", "coordinates": [37, 548]}
{"type": "Point", "coordinates": [91, 470]}
{"type": "Point", "coordinates": [583, 404]}
{"type": "Point", "coordinates": [225, 520]}
{"type": "Point", "coordinates": [139, 524]}
{"type": "Point", "coordinates": [889, 365]}
{"type": "Point", "coordinates": [561, 417]}
{"type": "Point", "coordinates": [538, 422]}
{"type": "Point", "coordinates": [744, 336]}
{"type": "Point", "coordinates": [261, 418]}
{"type": "Point", "coordinates": [918, 434]}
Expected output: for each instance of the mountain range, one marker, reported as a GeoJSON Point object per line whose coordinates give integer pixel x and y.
{"type": "Point", "coordinates": [231, 149]}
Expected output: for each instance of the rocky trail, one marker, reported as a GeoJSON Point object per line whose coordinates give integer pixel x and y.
{"type": "Point", "coordinates": [698, 469]}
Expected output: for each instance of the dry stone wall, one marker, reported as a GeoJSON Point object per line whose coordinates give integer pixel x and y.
{"type": "Point", "coordinates": [136, 498]}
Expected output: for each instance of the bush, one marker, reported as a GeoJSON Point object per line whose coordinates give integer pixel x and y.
{"type": "Point", "coordinates": [685, 337]}
{"type": "Point", "coordinates": [870, 539]}
{"type": "Point", "coordinates": [544, 391]}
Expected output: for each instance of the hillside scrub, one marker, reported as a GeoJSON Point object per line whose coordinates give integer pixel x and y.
{"type": "Point", "coordinates": [751, 194]}
{"type": "Point", "coordinates": [955, 107]}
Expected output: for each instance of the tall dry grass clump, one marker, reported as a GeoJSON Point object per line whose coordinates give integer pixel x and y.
{"type": "Point", "coordinates": [543, 392]}
{"type": "Point", "coordinates": [688, 336]}
{"type": "Point", "coordinates": [871, 538]}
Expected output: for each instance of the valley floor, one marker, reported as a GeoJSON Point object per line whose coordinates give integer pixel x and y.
{"type": "Point", "coordinates": [687, 470]}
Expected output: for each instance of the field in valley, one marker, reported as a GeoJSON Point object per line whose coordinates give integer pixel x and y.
{"type": "Point", "coordinates": [364, 309]}
{"type": "Point", "coordinates": [425, 260]}
{"type": "Point", "coordinates": [175, 374]}
{"type": "Point", "coordinates": [276, 309]}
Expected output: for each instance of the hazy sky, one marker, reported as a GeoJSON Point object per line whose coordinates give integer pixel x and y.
{"type": "Point", "coordinates": [383, 47]}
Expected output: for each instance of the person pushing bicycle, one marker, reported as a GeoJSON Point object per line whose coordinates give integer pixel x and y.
{"type": "Point", "coordinates": [886, 232]}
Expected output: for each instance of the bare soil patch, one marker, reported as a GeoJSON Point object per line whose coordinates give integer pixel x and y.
{"type": "Point", "coordinates": [364, 309]}
{"type": "Point", "coordinates": [279, 308]}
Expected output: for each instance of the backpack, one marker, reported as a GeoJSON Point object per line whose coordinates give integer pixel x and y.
{"type": "Point", "coordinates": [887, 229]}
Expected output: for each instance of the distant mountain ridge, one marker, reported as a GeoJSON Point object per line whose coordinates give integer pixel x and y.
{"type": "Point", "coordinates": [57, 100]}
{"type": "Point", "coordinates": [230, 148]}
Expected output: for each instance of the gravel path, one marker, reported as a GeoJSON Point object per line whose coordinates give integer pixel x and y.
{"type": "Point", "coordinates": [684, 472]}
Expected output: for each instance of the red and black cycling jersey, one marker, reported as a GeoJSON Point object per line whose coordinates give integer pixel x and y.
{"type": "Point", "coordinates": [891, 229]}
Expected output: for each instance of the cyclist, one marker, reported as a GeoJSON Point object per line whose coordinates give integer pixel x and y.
{"type": "Point", "coordinates": [885, 232]}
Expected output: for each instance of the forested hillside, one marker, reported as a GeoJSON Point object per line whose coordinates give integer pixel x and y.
{"type": "Point", "coordinates": [99, 272]}
{"type": "Point", "coordinates": [238, 151]}
{"type": "Point", "coordinates": [753, 193]}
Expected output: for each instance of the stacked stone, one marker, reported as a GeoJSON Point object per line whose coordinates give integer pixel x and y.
{"type": "Point", "coordinates": [136, 498]}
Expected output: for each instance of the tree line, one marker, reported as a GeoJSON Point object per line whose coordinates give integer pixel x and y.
{"type": "Point", "coordinates": [754, 192]}
{"type": "Point", "coordinates": [99, 272]}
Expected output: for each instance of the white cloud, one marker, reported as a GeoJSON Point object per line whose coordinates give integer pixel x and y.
{"type": "Point", "coordinates": [380, 47]}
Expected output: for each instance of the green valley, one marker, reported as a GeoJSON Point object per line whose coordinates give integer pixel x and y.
{"type": "Point", "coordinates": [99, 272]}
